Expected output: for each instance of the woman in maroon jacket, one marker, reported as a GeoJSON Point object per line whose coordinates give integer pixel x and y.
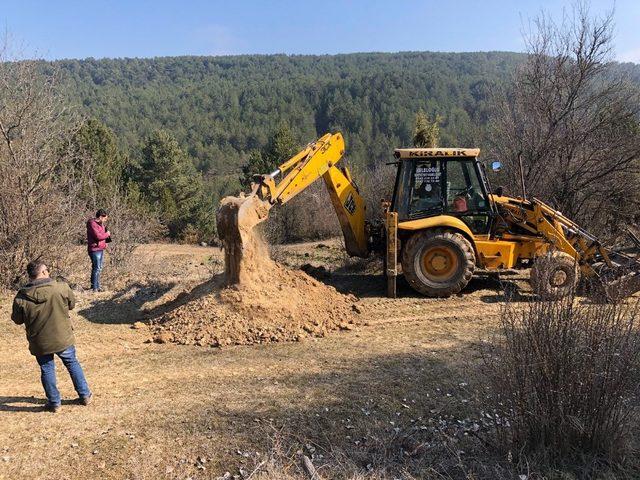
{"type": "Point", "coordinates": [97, 236]}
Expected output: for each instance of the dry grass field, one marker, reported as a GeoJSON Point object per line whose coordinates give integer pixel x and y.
{"type": "Point", "coordinates": [396, 394]}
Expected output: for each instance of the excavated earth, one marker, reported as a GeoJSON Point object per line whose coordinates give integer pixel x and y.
{"type": "Point", "coordinates": [256, 300]}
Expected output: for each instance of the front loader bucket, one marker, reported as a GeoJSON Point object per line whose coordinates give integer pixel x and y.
{"type": "Point", "coordinates": [622, 278]}
{"type": "Point", "coordinates": [235, 219]}
{"type": "Point", "coordinates": [623, 286]}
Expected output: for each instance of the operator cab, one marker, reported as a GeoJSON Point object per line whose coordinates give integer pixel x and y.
{"type": "Point", "coordinates": [442, 181]}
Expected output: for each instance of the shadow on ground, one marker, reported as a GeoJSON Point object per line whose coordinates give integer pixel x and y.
{"type": "Point", "coordinates": [391, 413]}
{"type": "Point", "coordinates": [368, 284]}
{"type": "Point", "coordinates": [136, 302]}
{"type": "Point", "coordinates": [33, 404]}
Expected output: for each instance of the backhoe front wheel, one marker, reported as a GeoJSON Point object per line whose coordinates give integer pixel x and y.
{"type": "Point", "coordinates": [438, 263]}
{"type": "Point", "coordinates": [554, 275]}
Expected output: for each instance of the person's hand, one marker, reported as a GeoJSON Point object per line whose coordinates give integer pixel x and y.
{"type": "Point", "coordinates": [108, 233]}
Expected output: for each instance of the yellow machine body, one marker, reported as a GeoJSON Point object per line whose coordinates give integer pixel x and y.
{"type": "Point", "coordinates": [318, 160]}
{"type": "Point", "coordinates": [439, 247]}
{"type": "Point", "coordinates": [491, 253]}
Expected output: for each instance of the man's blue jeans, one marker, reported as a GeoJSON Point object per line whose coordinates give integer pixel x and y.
{"type": "Point", "coordinates": [96, 268]}
{"type": "Point", "coordinates": [48, 374]}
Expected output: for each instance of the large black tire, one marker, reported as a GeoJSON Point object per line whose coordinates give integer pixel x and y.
{"type": "Point", "coordinates": [554, 275]}
{"type": "Point", "coordinates": [438, 263]}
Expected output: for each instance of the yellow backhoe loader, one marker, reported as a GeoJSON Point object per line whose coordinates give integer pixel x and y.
{"type": "Point", "coordinates": [442, 224]}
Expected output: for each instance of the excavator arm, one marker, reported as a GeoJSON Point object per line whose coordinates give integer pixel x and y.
{"type": "Point", "coordinates": [316, 160]}
{"type": "Point", "coordinates": [350, 209]}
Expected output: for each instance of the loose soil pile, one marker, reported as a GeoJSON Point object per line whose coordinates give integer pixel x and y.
{"type": "Point", "coordinates": [256, 300]}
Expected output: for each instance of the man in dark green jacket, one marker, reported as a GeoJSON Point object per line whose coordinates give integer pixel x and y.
{"type": "Point", "coordinates": [43, 307]}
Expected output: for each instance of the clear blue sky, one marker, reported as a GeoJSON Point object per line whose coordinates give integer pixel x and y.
{"type": "Point", "coordinates": [146, 28]}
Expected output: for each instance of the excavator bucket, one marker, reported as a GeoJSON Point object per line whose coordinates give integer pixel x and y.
{"type": "Point", "coordinates": [235, 219]}
{"type": "Point", "coordinates": [237, 216]}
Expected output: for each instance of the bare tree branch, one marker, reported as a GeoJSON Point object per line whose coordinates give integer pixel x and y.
{"type": "Point", "coordinates": [574, 120]}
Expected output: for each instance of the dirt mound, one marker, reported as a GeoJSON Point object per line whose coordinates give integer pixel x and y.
{"type": "Point", "coordinates": [257, 300]}
{"type": "Point", "coordinates": [288, 307]}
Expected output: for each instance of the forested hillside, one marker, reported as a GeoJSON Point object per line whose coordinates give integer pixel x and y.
{"type": "Point", "coordinates": [220, 108]}
{"type": "Point", "coordinates": [225, 113]}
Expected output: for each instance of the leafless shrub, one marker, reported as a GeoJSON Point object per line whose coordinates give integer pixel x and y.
{"type": "Point", "coordinates": [573, 120]}
{"type": "Point", "coordinates": [130, 221]}
{"type": "Point", "coordinates": [48, 183]}
{"type": "Point", "coordinates": [39, 214]}
{"type": "Point", "coordinates": [564, 379]}
{"type": "Point", "coordinates": [311, 216]}
{"type": "Point", "coordinates": [375, 184]}
{"type": "Point", "coordinates": [130, 225]}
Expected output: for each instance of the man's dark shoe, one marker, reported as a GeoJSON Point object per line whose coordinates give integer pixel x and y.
{"type": "Point", "coordinates": [85, 400]}
{"type": "Point", "coordinates": [49, 407]}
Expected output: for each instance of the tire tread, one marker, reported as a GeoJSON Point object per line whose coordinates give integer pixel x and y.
{"type": "Point", "coordinates": [414, 246]}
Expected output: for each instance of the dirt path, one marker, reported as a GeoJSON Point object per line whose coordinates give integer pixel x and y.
{"type": "Point", "coordinates": [171, 411]}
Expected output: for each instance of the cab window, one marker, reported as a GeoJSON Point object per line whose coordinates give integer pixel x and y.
{"type": "Point", "coordinates": [426, 187]}
{"type": "Point", "coordinates": [464, 193]}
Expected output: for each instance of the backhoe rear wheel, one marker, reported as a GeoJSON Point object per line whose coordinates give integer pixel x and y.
{"type": "Point", "coordinates": [438, 263]}
{"type": "Point", "coordinates": [554, 275]}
